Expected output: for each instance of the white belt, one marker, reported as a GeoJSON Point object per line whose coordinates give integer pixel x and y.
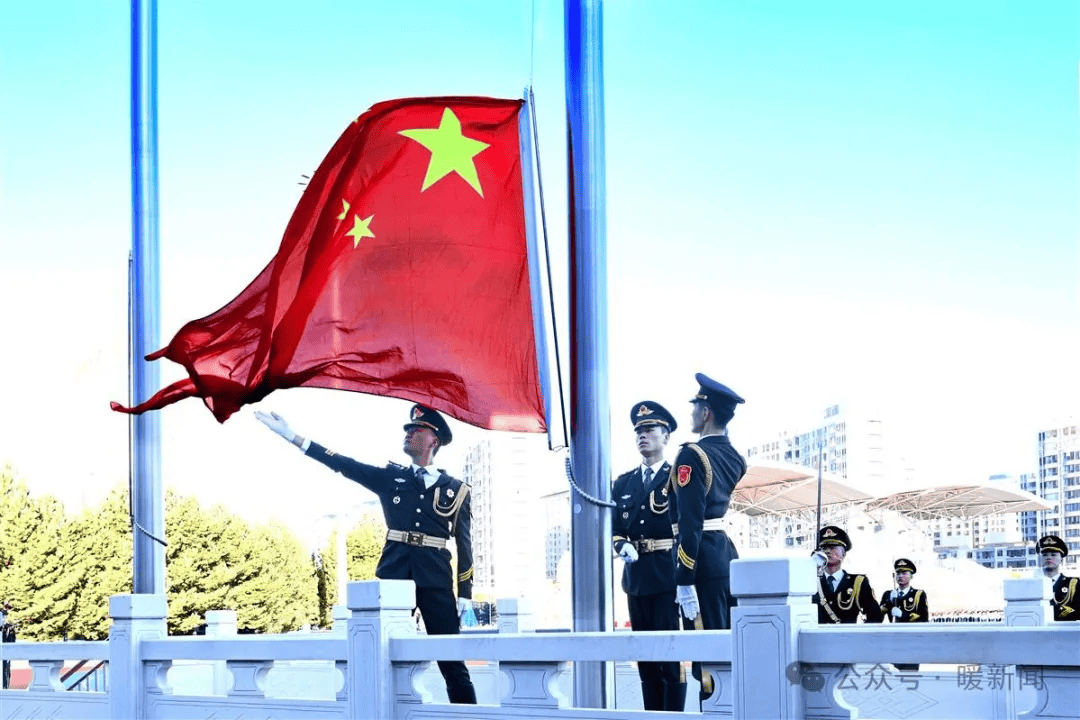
{"type": "Point", "coordinates": [713, 524]}
{"type": "Point", "coordinates": [416, 538]}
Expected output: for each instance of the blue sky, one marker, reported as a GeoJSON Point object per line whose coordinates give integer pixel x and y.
{"type": "Point", "coordinates": [874, 202]}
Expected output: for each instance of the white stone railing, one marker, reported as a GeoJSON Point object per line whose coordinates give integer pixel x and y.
{"type": "Point", "coordinates": [774, 663]}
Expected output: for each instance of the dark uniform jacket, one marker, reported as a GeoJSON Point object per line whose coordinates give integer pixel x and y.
{"type": "Point", "coordinates": [1066, 600]}
{"type": "Point", "coordinates": [441, 511]}
{"type": "Point", "coordinates": [703, 477]}
{"type": "Point", "coordinates": [913, 606]}
{"type": "Point", "coordinates": [853, 595]}
{"type": "Point", "coordinates": [643, 513]}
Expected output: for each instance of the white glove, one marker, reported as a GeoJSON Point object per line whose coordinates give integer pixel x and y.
{"type": "Point", "coordinates": [276, 423]}
{"type": "Point", "coordinates": [463, 606]}
{"type": "Point", "coordinates": [686, 596]}
{"type": "Point", "coordinates": [896, 612]}
{"type": "Point", "coordinates": [628, 553]}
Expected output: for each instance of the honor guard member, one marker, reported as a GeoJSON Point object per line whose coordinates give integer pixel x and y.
{"type": "Point", "coordinates": [423, 507]}
{"type": "Point", "coordinates": [904, 604]}
{"type": "Point", "coordinates": [842, 596]}
{"type": "Point", "coordinates": [704, 476]}
{"type": "Point", "coordinates": [644, 539]}
{"type": "Point", "coordinates": [1065, 600]}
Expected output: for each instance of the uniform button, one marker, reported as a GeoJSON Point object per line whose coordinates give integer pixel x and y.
{"type": "Point", "coordinates": [421, 497]}
{"type": "Point", "coordinates": [641, 521]}
{"type": "Point", "coordinates": [417, 524]}
{"type": "Point", "coordinates": [642, 507]}
{"type": "Point", "coordinates": [417, 509]}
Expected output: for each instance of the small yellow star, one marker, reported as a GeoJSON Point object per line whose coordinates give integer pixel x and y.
{"type": "Point", "coordinates": [345, 210]}
{"type": "Point", "coordinates": [450, 151]}
{"type": "Point", "coordinates": [360, 229]}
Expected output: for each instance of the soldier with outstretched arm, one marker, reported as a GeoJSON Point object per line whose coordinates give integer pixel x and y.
{"type": "Point", "coordinates": [423, 507]}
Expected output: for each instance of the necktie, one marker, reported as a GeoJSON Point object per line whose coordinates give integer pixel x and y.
{"type": "Point", "coordinates": [420, 473]}
{"type": "Point", "coordinates": [832, 583]}
{"type": "Point", "coordinates": [647, 476]}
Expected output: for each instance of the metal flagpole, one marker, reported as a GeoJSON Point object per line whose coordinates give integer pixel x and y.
{"type": "Point", "coordinates": [590, 431]}
{"type": "Point", "coordinates": [819, 558]}
{"type": "Point", "coordinates": [147, 500]}
{"type": "Point", "coordinates": [820, 462]}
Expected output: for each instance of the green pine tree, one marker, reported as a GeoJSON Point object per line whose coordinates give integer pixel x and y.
{"type": "Point", "coordinates": [324, 588]}
{"type": "Point", "coordinates": [49, 574]}
{"type": "Point", "coordinates": [101, 541]}
{"type": "Point", "coordinates": [205, 559]}
{"type": "Point", "coordinates": [364, 545]}
{"type": "Point", "coordinates": [36, 564]}
{"type": "Point", "coordinates": [279, 593]}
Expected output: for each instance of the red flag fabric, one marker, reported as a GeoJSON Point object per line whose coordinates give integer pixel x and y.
{"type": "Point", "coordinates": [402, 272]}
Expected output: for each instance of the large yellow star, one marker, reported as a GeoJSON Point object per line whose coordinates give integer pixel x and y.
{"type": "Point", "coordinates": [360, 229]}
{"type": "Point", "coordinates": [450, 151]}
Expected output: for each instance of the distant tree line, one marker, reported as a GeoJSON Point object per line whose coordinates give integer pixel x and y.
{"type": "Point", "coordinates": [58, 571]}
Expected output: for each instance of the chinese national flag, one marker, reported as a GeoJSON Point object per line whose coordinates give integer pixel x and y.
{"type": "Point", "coordinates": [403, 272]}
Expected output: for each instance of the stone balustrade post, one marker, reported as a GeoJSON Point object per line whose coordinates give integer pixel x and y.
{"type": "Point", "coordinates": [530, 686]}
{"type": "Point", "coordinates": [773, 604]}
{"type": "Point", "coordinates": [515, 615]}
{"type": "Point", "coordinates": [340, 615]}
{"type": "Point", "coordinates": [1027, 602]}
{"type": "Point", "coordinates": [221, 624]}
{"type": "Point", "coordinates": [135, 618]}
{"type": "Point", "coordinates": [379, 610]}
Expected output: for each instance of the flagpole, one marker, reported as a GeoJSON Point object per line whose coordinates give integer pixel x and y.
{"type": "Point", "coordinates": [147, 501]}
{"type": "Point", "coordinates": [590, 431]}
{"type": "Point", "coordinates": [820, 462]}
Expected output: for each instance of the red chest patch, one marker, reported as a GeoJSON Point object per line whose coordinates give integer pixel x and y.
{"type": "Point", "coordinates": [684, 475]}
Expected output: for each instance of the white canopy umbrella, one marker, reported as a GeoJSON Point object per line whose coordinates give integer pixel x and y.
{"type": "Point", "coordinates": [787, 489]}
{"type": "Point", "coordinates": [961, 501]}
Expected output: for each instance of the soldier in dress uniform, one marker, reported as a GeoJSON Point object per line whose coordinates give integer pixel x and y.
{"type": "Point", "coordinates": [842, 597]}
{"type": "Point", "coordinates": [905, 604]}
{"type": "Point", "coordinates": [1066, 599]}
{"type": "Point", "coordinates": [703, 478]}
{"type": "Point", "coordinates": [644, 539]}
{"type": "Point", "coordinates": [423, 507]}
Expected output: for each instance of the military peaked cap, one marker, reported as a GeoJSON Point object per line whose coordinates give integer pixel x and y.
{"type": "Point", "coordinates": [421, 416]}
{"type": "Point", "coordinates": [647, 413]}
{"type": "Point", "coordinates": [1048, 543]}
{"type": "Point", "coordinates": [832, 535]}
{"type": "Point", "coordinates": [904, 565]}
{"type": "Point", "coordinates": [718, 396]}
